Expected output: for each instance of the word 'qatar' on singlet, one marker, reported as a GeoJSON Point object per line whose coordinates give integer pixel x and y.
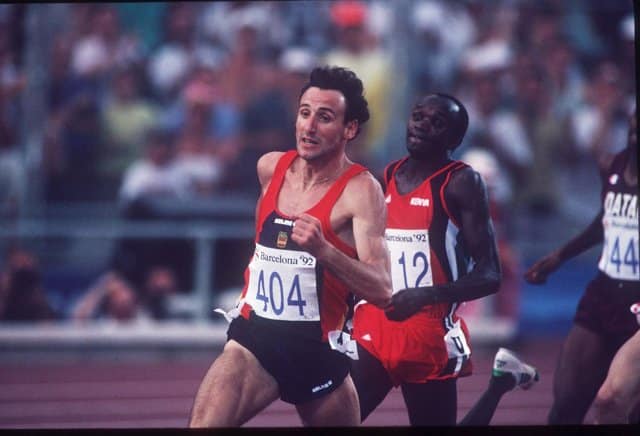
{"type": "Point", "coordinates": [620, 254]}
{"type": "Point", "coordinates": [283, 282]}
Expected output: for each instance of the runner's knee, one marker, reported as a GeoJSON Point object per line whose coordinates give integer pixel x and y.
{"type": "Point", "coordinates": [610, 406]}
{"type": "Point", "coordinates": [606, 398]}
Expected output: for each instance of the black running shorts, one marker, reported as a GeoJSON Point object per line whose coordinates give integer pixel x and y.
{"type": "Point", "coordinates": [304, 367]}
{"type": "Point", "coordinates": [604, 308]}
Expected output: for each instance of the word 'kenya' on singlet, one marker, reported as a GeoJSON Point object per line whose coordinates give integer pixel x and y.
{"type": "Point", "coordinates": [620, 254]}
{"type": "Point", "coordinates": [285, 283]}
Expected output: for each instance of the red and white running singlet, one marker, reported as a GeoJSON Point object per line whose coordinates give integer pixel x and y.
{"type": "Point", "coordinates": [283, 282]}
{"type": "Point", "coordinates": [425, 249]}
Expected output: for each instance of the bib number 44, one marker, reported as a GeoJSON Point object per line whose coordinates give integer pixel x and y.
{"type": "Point", "coordinates": [620, 258]}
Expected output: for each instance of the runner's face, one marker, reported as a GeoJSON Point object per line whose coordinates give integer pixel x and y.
{"type": "Point", "coordinates": [320, 125]}
{"type": "Point", "coordinates": [428, 128]}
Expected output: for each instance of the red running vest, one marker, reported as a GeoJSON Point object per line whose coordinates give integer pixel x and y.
{"type": "Point", "coordinates": [283, 282]}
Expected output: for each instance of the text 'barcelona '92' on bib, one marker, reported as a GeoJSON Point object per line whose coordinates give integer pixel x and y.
{"type": "Point", "coordinates": [410, 258]}
{"type": "Point", "coordinates": [282, 285]}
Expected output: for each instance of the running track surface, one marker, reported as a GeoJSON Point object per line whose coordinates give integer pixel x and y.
{"type": "Point", "coordinates": [119, 392]}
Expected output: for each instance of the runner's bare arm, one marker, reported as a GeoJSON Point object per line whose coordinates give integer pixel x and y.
{"type": "Point", "coordinates": [368, 276]}
{"type": "Point", "coordinates": [589, 237]}
{"type": "Point", "coordinates": [592, 235]}
{"type": "Point", "coordinates": [466, 196]}
{"type": "Point", "coordinates": [265, 168]}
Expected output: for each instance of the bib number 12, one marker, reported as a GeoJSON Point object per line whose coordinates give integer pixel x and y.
{"type": "Point", "coordinates": [419, 261]}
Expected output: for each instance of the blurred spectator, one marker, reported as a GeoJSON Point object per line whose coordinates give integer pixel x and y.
{"type": "Point", "coordinates": [156, 267]}
{"type": "Point", "coordinates": [443, 30]}
{"type": "Point", "coordinates": [141, 19]}
{"type": "Point", "coordinates": [360, 50]}
{"type": "Point", "coordinates": [539, 26]}
{"type": "Point", "coordinates": [110, 298]}
{"type": "Point", "coordinates": [495, 127]}
{"type": "Point", "coordinates": [628, 56]}
{"type": "Point", "coordinates": [12, 173]}
{"type": "Point", "coordinates": [63, 86]}
{"type": "Point", "coordinates": [156, 173]}
{"type": "Point", "coordinates": [247, 62]}
{"type": "Point", "coordinates": [579, 27]}
{"type": "Point", "coordinates": [126, 116]}
{"type": "Point", "coordinates": [225, 24]}
{"type": "Point", "coordinates": [12, 83]}
{"type": "Point", "coordinates": [269, 120]}
{"type": "Point", "coordinates": [566, 77]}
{"type": "Point", "coordinates": [547, 136]}
{"type": "Point", "coordinates": [159, 286]}
{"type": "Point", "coordinates": [80, 21]}
{"type": "Point", "coordinates": [492, 49]}
{"type": "Point", "coordinates": [105, 47]}
{"type": "Point", "coordinates": [72, 145]}
{"type": "Point", "coordinates": [599, 125]}
{"type": "Point", "coordinates": [12, 80]}
{"type": "Point", "coordinates": [301, 19]}
{"type": "Point", "coordinates": [22, 297]}
{"type": "Point", "coordinates": [171, 62]}
{"type": "Point", "coordinates": [605, 17]}
{"type": "Point", "coordinates": [249, 33]}
{"type": "Point", "coordinates": [207, 126]}
{"type": "Point", "coordinates": [156, 176]}
{"type": "Point", "coordinates": [66, 83]}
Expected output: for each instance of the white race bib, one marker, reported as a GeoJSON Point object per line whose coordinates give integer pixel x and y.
{"type": "Point", "coordinates": [282, 285]}
{"type": "Point", "coordinates": [410, 258]}
{"type": "Point", "coordinates": [620, 254]}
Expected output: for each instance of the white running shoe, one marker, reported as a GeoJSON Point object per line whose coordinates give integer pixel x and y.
{"type": "Point", "coordinates": [508, 362]}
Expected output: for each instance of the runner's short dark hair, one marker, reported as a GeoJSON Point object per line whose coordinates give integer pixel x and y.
{"type": "Point", "coordinates": [346, 82]}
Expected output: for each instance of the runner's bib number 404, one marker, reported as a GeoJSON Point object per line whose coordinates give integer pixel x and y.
{"type": "Point", "coordinates": [282, 285]}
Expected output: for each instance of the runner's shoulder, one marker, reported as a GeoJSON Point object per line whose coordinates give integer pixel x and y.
{"type": "Point", "coordinates": [266, 166]}
{"type": "Point", "coordinates": [364, 188]}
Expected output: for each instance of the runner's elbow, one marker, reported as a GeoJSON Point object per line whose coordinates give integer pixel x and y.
{"type": "Point", "coordinates": [491, 280]}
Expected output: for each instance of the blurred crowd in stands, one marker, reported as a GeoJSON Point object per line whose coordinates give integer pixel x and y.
{"type": "Point", "coordinates": [179, 99]}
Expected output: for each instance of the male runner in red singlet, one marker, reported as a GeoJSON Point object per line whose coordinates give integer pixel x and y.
{"type": "Point", "coordinates": [602, 322]}
{"type": "Point", "coordinates": [443, 251]}
{"type": "Point", "coordinates": [319, 237]}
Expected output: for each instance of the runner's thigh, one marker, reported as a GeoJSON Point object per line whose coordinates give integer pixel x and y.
{"type": "Point", "coordinates": [371, 380]}
{"type": "Point", "coordinates": [581, 369]}
{"type": "Point", "coordinates": [234, 390]}
{"type": "Point", "coordinates": [338, 408]}
{"type": "Point", "coordinates": [623, 379]}
{"type": "Point", "coordinates": [432, 403]}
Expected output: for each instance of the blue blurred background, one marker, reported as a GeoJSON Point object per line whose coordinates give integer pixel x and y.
{"type": "Point", "coordinates": [129, 134]}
